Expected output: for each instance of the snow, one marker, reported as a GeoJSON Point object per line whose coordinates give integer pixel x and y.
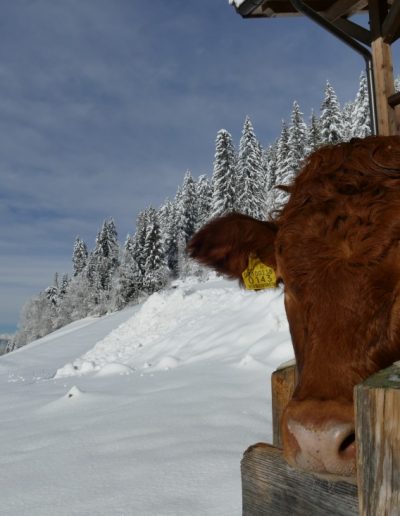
{"type": "Point", "coordinates": [146, 411]}
{"type": "Point", "coordinates": [237, 3]}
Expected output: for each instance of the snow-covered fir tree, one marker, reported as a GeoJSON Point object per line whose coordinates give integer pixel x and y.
{"type": "Point", "coordinates": [331, 120]}
{"type": "Point", "coordinates": [251, 179]}
{"type": "Point", "coordinates": [204, 192]}
{"type": "Point", "coordinates": [77, 301]}
{"type": "Point", "coordinates": [360, 119]}
{"type": "Point", "coordinates": [65, 281]}
{"type": "Point", "coordinates": [284, 175]}
{"type": "Point", "coordinates": [79, 256]}
{"type": "Point", "coordinates": [169, 230]}
{"type": "Point", "coordinates": [156, 272]}
{"type": "Point", "coordinates": [128, 282]}
{"type": "Point", "coordinates": [348, 126]}
{"type": "Point", "coordinates": [224, 179]}
{"type": "Point", "coordinates": [186, 206]}
{"type": "Point", "coordinates": [140, 239]}
{"type": "Point", "coordinates": [101, 266]}
{"type": "Point", "coordinates": [270, 161]}
{"type": "Point", "coordinates": [297, 140]}
{"type": "Point", "coordinates": [314, 138]}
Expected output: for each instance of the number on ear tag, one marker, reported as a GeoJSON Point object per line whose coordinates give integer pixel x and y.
{"type": "Point", "coordinates": [258, 276]}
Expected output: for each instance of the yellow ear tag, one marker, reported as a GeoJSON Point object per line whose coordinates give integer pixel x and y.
{"type": "Point", "coordinates": [258, 276]}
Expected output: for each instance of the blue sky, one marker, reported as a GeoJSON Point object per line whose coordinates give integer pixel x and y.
{"type": "Point", "coordinates": [105, 105]}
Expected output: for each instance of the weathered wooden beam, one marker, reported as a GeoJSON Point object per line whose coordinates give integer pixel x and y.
{"type": "Point", "coordinates": [391, 24]}
{"type": "Point", "coordinates": [271, 488]}
{"type": "Point", "coordinates": [388, 117]}
{"type": "Point", "coordinates": [355, 31]}
{"type": "Point", "coordinates": [344, 8]}
{"type": "Point", "coordinates": [377, 402]}
{"type": "Point", "coordinates": [283, 382]}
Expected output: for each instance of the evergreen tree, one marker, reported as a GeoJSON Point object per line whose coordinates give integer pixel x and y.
{"type": "Point", "coordinates": [348, 118]}
{"type": "Point", "coordinates": [156, 271]}
{"type": "Point", "coordinates": [153, 249]}
{"type": "Point", "coordinates": [169, 230]}
{"type": "Point", "coordinates": [284, 173]}
{"type": "Point", "coordinates": [129, 279]}
{"type": "Point", "coordinates": [186, 208]}
{"type": "Point", "coordinates": [65, 281]}
{"type": "Point", "coordinates": [224, 175]}
{"type": "Point", "coordinates": [94, 273]}
{"type": "Point", "coordinates": [361, 116]}
{"type": "Point", "coordinates": [331, 119]}
{"type": "Point", "coordinates": [314, 138]}
{"type": "Point", "coordinates": [204, 193]}
{"type": "Point", "coordinates": [271, 167]}
{"type": "Point", "coordinates": [251, 179]}
{"type": "Point", "coordinates": [139, 240]}
{"type": "Point", "coordinates": [297, 140]}
{"type": "Point", "coordinates": [52, 292]}
{"type": "Point", "coordinates": [77, 301]}
{"type": "Point", "coordinates": [79, 256]}
{"type": "Point", "coordinates": [106, 254]}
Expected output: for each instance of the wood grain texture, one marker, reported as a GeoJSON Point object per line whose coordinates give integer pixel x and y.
{"type": "Point", "coordinates": [377, 403]}
{"type": "Point", "coordinates": [388, 123]}
{"type": "Point", "coordinates": [283, 382]}
{"type": "Point", "coordinates": [271, 488]}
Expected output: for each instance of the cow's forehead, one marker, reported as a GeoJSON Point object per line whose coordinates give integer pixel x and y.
{"type": "Point", "coordinates": [344, 209]}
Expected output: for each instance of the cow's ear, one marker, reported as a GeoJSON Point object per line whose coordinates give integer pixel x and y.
{"type": "Point", "coordinates": [226, 243]}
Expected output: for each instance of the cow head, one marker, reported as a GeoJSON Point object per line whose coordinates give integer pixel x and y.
{"type": "Point", "coordinates": [335, 246]}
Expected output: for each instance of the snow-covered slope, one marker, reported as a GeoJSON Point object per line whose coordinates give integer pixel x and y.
{"type": "Point", "coordinates": [142, 412]}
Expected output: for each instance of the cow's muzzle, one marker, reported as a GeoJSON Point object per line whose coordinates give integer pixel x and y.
{"type": "Point", "coordinates": [318, 436]}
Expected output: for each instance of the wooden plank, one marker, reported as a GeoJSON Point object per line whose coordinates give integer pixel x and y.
{"type": "Point", "coordinates": [283, 382]}
{"type": "Point", "coordinates": [391, 24]}
{"type": "Point", "coordinates": [344, 8]}
{"type": "Point", "coordinates": [377, 402]}
{"type": "Point", "coordinates": [271, 488]}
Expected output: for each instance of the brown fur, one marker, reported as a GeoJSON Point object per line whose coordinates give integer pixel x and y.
{"type": "Point", "coordinates": [336, 247]}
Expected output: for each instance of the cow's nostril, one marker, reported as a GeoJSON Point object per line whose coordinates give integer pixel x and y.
{"type": "Point", "coordinates": [347, 447]}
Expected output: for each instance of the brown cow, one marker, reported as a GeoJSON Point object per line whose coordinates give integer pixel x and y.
{"type": "Point", "coordinates": [336, 248]}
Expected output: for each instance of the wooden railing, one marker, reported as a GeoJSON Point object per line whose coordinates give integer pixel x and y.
{"type": "Point", "coordinates": [270, 487]}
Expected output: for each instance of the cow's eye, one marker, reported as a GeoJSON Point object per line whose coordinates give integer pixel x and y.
{"type": "Point", "coordinates": [279, 281]}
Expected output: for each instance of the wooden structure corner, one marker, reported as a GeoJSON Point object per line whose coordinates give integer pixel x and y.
{"type": "Point", "coordinates": [271, 487]}
{"type": "Point", "coordinates": [373, 44]}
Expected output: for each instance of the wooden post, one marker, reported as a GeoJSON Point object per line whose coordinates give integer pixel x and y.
{"type": "Point", "coordinates": [271, 488]}
{"type": "Point", "coordinates": [388, 119]}
{"type": "Point", "coordinates": [377, 402]}
{"type": "Point", "coordinates": [283, 382]}
{"type": "Point", "coordinates": [388, 116]}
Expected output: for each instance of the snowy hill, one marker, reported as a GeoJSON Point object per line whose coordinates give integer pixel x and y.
{"type": "Point", "coordinates": [145, 411]}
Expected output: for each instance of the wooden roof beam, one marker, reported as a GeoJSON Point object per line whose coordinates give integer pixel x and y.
{"type": "Point", "coordinates": [342, 8]}
{"type": "Point", "coordinates": [391, 24]}
{"type": "Point", "coordinates": [355, 31]}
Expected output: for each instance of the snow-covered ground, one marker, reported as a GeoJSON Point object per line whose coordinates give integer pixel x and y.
{"type": "Point", "coordinates": [142, 412]}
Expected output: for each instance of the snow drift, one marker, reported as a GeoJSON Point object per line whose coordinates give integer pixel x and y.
{"type": "Point", "coordinates": [146, 411]}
